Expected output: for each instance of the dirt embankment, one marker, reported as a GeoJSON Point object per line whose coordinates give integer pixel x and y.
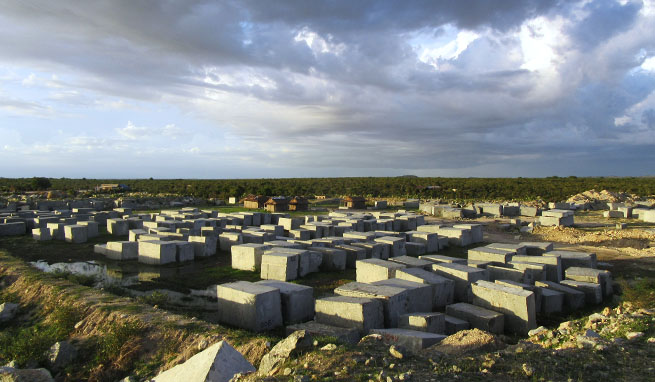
{"type": "Point", "coordinates": [633, 242]}
{"type": "Point", "coordinates": [154, 339]}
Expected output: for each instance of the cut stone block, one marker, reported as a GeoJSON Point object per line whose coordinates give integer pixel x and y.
{"type": "Point", "coordinates": [183, 251]}
{"type": "Point", "coordinates": [56, 230]}
{"type": "Point", "coordinates": [249, 306]}
{"type": "Point", "coordinates": [454, 324]}
{"type": "Point", "coordinates": [478, 317]}
{"type": "Point", "coordinates": [290, 223]}
{"type": "Point", "coordinates": [14, 229]}
{"type": "Point", "coordinates": [373, 250]}
{"type": "Point", "coordinates": [494, 255]}
{"type": "Point", "coordinates": [204, 246]}
{"type": "Point", "coordinates": [443, 259]}
{"type": "Point", "coordinates": [415, 249]}
{"type": "Point", "coordinates": [248, 257]}
{"type": "Point", "coordinates": [219, 363]}
{"type": "Point", "coordinates": [504, 273]}
{"type": "Point", "coordinates": [360, 313]}
{"type": "Point", "coordinates": [412, 262]}
{"type": "Point", "coordinates": [91, 228]}
{"type": "Point", "coordinates": [428, 239]}
{"type": "Point", "coordinates": [122, 250]}
{"type": "Point", "coordinates": [346, 335]}
{"type": "Point", "coordinates": [443, 288]}
{"type": "Point", "coordinates": [460, 237]}
{"type": "Point", "coordinates": [412, 340]}
{"type": "Point", "coordinates": [575, 259]}
{"type": "Point", "coordinates": [596, 276]}
{"type": "Point", "coordinates": [420, 295]}
{"type": "Point", "coordinates": [333, 259]}
{"type": "Point", "coordinates": [476, 231]}
{"type": "Point", "coordinates": [531, 288]}
{"type": "Point", "coordinates": [300, 234]}
{"type": "Point", "coordinates": [157, 252]}
{"type": "Point", "coordinates": [352, 254]}
{"type": "Point", "coordinates": [424, 322]}
{"type": "Point", "coordinates": [593, 293]}
{"type": "Point", "coordinates": [75, 234]}
{"type": "Point", "coordinates": [537, 248]}
{"type": "Point", "coordinates": [514, 249]}
{"type": "Point", "coordinates": [573, 298]}
{"type": "Point", "coordinates": [536, 272]}
{"type": "Point", "coordinates": [41, 234]}
{"type": "Point", "coordinates": [297, 301]}
{"type": "Point", "coordinates": [518, 305]}
{"type": "Point", "coordinates": [279, 266]}
{"type": "Point", "coordinates": [463, 276]}
{"type": "Point", "coordinates": [395, 301]}
{"type": "Point", "coordinates": [370, 270]}
{"type": "Point", "coordinates": [228, 239]}
{"type": "Point", "coordinates": [118, 227]}
{"type": "Point", "coordinates": [397, 245]}
{"type": "Point", "coordinates": [553, 265]}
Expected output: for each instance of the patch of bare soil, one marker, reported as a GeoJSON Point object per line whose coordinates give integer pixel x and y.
{"type": "Point", "coordinates": [635, 242]}
{"type": "Point", "coordinates": [468, 341]}
{"type": "Point", "coordinates": [592, 196]}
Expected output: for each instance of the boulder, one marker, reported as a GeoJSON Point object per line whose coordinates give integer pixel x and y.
{"type": "Point", "coordinates": [297, 341]}
{"type": "Point", "coordinates": [60, 355]}
{"type": "Point", "coordinates": [8, 311]}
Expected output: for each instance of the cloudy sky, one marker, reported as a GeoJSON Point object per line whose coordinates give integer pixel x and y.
{"type": "Point", "coordinates": [249, 89]}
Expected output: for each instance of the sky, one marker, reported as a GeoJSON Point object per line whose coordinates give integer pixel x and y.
{"type": "Point", "coordinates": [296, 88]}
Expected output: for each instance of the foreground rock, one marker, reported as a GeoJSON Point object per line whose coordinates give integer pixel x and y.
{"type": "Point", "coordinates": [7, 311]}
{"type": "Point", "coordinates": [468, 341]}
{"type": "Point", "coordinates": [61, 355]}
{"type": "Point", "coordinates": [218, 363]}
{"type": "Point", "coordinates": [297, 341]}
{"type": "Point", "coordinates": [9, 374]}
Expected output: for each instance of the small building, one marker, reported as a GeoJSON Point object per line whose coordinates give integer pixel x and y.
{"type": "Point", "coordinates": [298, 203]}
{"type": "Point", "coordinates": [355, 202]}
{"type": "Point", "coordinates": [254, 201]}
{"type": "Point", "coordinates": [277, 204]}
{"type": "Point", "coordinates": [111, 187]}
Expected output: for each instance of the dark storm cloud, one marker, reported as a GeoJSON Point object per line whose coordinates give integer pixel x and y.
{"type": "Point", "coordinates": [361, 90]}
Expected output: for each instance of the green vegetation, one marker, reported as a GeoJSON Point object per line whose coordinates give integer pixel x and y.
{"type": "Point", "coordinates": [548, 189]}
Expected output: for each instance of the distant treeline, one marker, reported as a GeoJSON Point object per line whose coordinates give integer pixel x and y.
{"type": "Point", "coordinates": [547, 189]}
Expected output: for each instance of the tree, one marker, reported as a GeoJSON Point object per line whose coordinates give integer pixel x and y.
{"type": "Point", "coordinates": [40, 183]}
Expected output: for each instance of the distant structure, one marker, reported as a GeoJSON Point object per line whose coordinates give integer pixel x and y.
{"type": "Point", "coordinates": [256, 202]}
{"type": "Point", "coordinates": [355, 202]}
{"type": "Point", "coordinates": [298, 203]}
{"type": "Point", "coordinates": [110, 187]}
{"type": "Point", "coordinates": [277, 204]}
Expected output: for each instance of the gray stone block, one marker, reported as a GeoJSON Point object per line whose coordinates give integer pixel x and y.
{"type": "Point", "coordinates": [573, 298]}
{"type": "Point", "coordinates": [346, 335]}
{"type": "Point", "coordinates": [397, 245]}
{"type": "Point", "coordinates": [279, 266]}
{"type": "Point", "coordinates": [420, 295]}
{"type": "Point", "coordinates": [590, 275]}
{"type": "Point", "coordinates": [517, 305]}
{"type": "Point", "coordinates": [593, 293]}
{"type": "Point", "coordinates": [297, 301]}
{"type": "Point", "coordinates": [248, 257]}
{"type": "Point", "coordinates": [352, 254]}
{"type": "Point", "coordinates": [249, 306]}
{"type": "Point", "coordinates": [443, 259]}
{"type": "Point", "coordinates": [157, 252]}
{"type": "Point", "coordinates": [454, 324]}
{"type": "Point", "coordinates": [360, 313]}
{"type": "Point", "coordinates": [478, 317]}
{"type": "Point", "coordinates": [443, 288]}
{"type": "Point", "coordinates": [370, 270]}
{"type": "Point", "coordinates": [553, 265]}
{"type": "Point", "coordinates": [514, 249]}
{"type": "Point", "coordinates": [574, 259]}
{"type": "Point", "coordinates": [75, 234]}
{"type": "Point", "coordinates": [228, 239]}
{"type": "Point", "coordinates": [430, 322]}
{"type": "Point", "coordinates": [412, 262]}
{"type": "Point", "coordinates": [537, 248]}
{"type": "Point", "coordinates": [118, 227]}
{"type": "Point", "coordinates": [395, 301]}
{"type": "Point", "coordinates": [492, 255]}
{"type": "Point", "coordinates": [463, 276]}
{"type": "Point", "coordinates": [122, 250]}
{"type": "Point", "coordinates": [204, 246]}
{"type": "Point", "coordinates": [332, 259]}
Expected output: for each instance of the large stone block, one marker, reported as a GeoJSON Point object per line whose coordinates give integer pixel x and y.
{"type": "Point", "coordinates": [463, 276]}
{"type": "Point", "coordinates": [279, 266]}
{"type": "Point", "coordinates": [249, 306]}
{"type": "Point", "coordinates": [590, 275]}
{"type": "Point", "coordinates": [492, 255]}
{"type": "Point", "coordinates": [395, 301]}
{"type": "Point", "coordinates": [478, 317]}
{"type": "Point", "coordinates": [183, 251]}
{"type": "Point", "coordinates": [204, 246]}
{"type": "Point", "coordinates": [420, 295]}
{"type": "Point", "coordinates": [553, 265]}
{"type": "Point", "coordinates": [533, 271]}
{"type": "Point", "coordinates": [504, 273]}
{"type": "Point", "coordinates": [315, 329]}
{"type": "Point", "coordinates": [332, 259]}
{"type": "Point", "coordinates": [412, 262]}
{"type": "Point", "coordinates": [370, 270]}
{"type": "Point", "coordinates": [574, 259]}
{"type": "Point", "coordinates": [454, 324]}
{"type": "Point", "coordinates": [75, 234]}
{"type": "Point", "coordinates": [41, 234]}
{"type": "Point", "coordinates": [573, 298]}
{"type": "Point", "coordinates": [228, 239]}
{"type": "Point", "coordinates": [122, 250]}
{"type": "Point", "coordinates": [443, 259]}
{"type": "Point", "coordinates": [373, 250]}
{"type": "Point", "coordinates": [91, 228]}
{"type": "Point", "coordinates": [518, 305]}
{"type": "Point", "coordinates": [443, 288]}
{"type": "Point", "coordinates": [297, 301]}
{"type": "Point", "coordinates": [397, 245]}
{"type": "Point", "coordinates": [425, 322]}
{"type": "Point", "coordinates": [360, 313]}
{"type": "Point", "coordinates": [352, 254]}
{"type": "Point", "coordinates": [593, 293]}
{"type": "Point", "coordinates": [538, 248]}
{"type": "Point", "coordinates": [248, 257]}
{"type": "Point", "coordinates": [428, 239]}
{"type": "Point", "coordinates": [118, 227]}
{"type": "Point", "coordinates": [219, 362]}
{"type": "Point", "coordinates": [476, 231]}
{"type": "Point", "coordinates": [157, 252]}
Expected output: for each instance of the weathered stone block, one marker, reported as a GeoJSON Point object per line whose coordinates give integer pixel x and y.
{"type": "Point", "coordinates": [370, 270]}
{"type": "Point", "coordinates": [394, 300]}
{"type": "Point", "coordinates": [412, 340]}
{"type": "Point", "coordinates": [478, 317]}
{"type": "Point", "coordinates": [75, 234]}
{"type": "Point", "coordinates": [463, 276]}
{"type": "Point", "coordinates": [420, 295]}
{"type": "Point", "coordinates": [279, 266]}
{"type": "Point", "coordinates": [596, 276]}
{"type": "Point", "coordinates": [360, 313]}
{"type": "Point", "coordinates": [517, 305]}
{"type": "Point", "coordinates": [249, 306]}
{"type": "Point", "coordinates": [157, 252]}
{"type": "Point", "coordinates": [443, 288]}
{"type": "Point", "coordinates": [424, 322]}
{"type": "Point", "coordinates": [122, 250]}
{"type": "Point", "coordinates": [573, 298]}
{"type": "Point", "coordinates": [204, 246]}
{"type": "Point", "coordinates": [248, 257]}
{"type": "Point", "coordinates": [297, 301]}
